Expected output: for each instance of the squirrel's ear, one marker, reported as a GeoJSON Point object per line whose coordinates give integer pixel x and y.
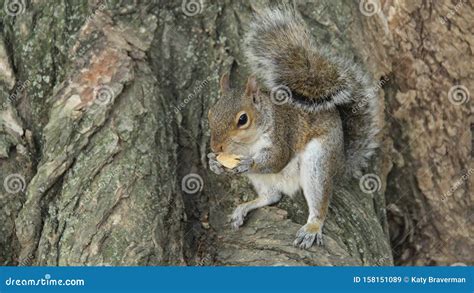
{"type": "Point", "coordinates": [224, 83]}
{"type": "Point", "coordinates": [252, 90]}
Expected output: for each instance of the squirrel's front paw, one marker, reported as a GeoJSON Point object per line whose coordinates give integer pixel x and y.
{"type": "Point", "coordinates": [214, 165]}
{"type": "Point", "coordinates": [244, 165]}
{"type": "Point", "coordinates": [238, 216]}
{"type": "Point", "coordinates": [307, 234]}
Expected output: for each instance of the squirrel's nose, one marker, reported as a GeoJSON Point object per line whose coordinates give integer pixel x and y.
{"type": "Point", "coordinates": [217, 147]}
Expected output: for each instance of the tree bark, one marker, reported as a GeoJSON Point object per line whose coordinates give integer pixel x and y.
{"type": "Point", "coordinates": [104, 118]}
{"type": "Point", "coordinates": [429, 114]}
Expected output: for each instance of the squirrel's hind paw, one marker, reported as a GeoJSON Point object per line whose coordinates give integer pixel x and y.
{"type": "Point", "coordinates": [238, 216]}
{"type": "Point", "coordinates": [307, 235]}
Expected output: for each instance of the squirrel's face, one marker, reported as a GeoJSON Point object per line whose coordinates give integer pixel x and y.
{"type": "Point", "coordinates": [235, 120]}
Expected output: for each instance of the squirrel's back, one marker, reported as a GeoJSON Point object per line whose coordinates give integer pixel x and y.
{"type": "Point", "coordinates": [283, 55]}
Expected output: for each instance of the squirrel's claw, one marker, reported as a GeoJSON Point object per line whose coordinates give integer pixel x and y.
{"type": "Point", "coordinates": [244, 166]}
{"type": "Point", "coordinates": [214, 165]}
{"type": "Point", "coordinates": [238, 216]}
{"type": "Point", "coordinates": [306, 236]}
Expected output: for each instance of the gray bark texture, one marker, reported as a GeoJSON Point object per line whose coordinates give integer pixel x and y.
{"type": "Point", "coordinates": [104, 136]}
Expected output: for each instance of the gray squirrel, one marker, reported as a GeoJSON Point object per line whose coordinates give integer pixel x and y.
{"type": "Point", "coordinates": [316, 117]}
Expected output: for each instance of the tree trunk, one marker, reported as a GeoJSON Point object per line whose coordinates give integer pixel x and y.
{"type": "Point", "coordinates": [429, 114]}
{"type": "Point", "coordinates": [104, 136]}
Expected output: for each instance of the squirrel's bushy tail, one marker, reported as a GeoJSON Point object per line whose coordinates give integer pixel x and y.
{"type": "Point", "coordinates": [281, 53]}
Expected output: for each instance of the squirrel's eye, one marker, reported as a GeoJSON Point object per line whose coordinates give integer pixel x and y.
{"type": "Point", "coordinates": [242, 120]}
